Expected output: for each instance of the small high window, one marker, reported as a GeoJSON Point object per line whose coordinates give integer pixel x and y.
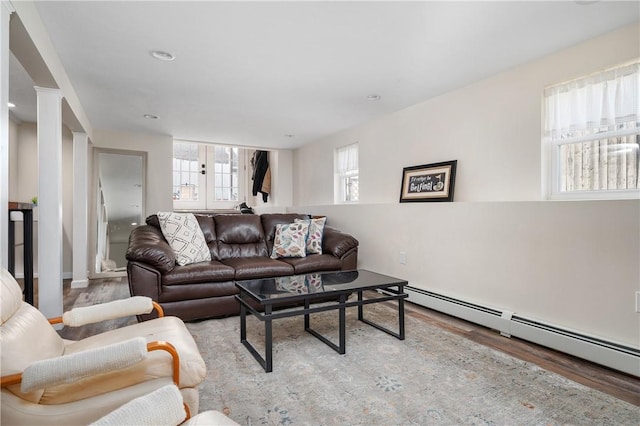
{"type": "Point", "coordinates": [346, 174]}
{"type": "Point", "coordinates": [592, 134]}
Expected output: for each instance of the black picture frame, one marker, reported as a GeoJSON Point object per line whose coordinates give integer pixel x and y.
{"type": "Point", "coordinates": [428, 182]}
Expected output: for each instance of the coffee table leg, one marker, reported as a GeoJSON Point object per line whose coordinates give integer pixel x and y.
{"type": "Point", "coordinates": [400, 334]}
{"type": "Point", "coordinates": [342, 325]}
{"type": "Point", "coordinates": [306, 315]}
{"type": "Point", "coordinates": [268, 341]}
{"type": "Point", "coordinates": [401, 315]}
{"type": "Point", "coordinates": [267, 361]}
{"type": "Point", "coordinates": [341, 346]}
{"type": "Point", "coordinates": [243, 323]}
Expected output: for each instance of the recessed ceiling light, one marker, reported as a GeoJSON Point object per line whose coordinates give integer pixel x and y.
{"type": "Point", "coordinates": [11, 105]}
{"type": "Point", "coordinates": [372, 97]}
{"type": "Point", "coordinates": [151, 117]}
{"type": "Point", "coordinates": [162, 56]}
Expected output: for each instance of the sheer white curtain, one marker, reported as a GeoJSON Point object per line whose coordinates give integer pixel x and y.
{"type": "Point", "coordinates": [593, 125]}
{"type": "Point", "coordinates": [347, 160]}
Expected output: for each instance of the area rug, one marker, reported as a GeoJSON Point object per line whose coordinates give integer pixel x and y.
{"type": "Point", "coordinates": [433, 377]}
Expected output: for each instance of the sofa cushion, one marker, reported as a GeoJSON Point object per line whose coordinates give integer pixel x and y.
{"type": "Point", "coordinates": [258, 267]}
{"type": "Point", "coordinates": [200, 272]}
{"type": "Point", "coordinates": [208, 228]}
{"type": "Point", "coordinates": [314, 263]}
{"type": "Point", "coordinates": [185, 237]}
{"type": "Point", "coordinates": [290, 240]}
{"type": "Point", "coordinates": [193, 291]}
{"type": "Point", "coordinates": [240, 236]}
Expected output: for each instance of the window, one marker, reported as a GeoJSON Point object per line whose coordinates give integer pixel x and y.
{"type": "Point", "coordinates": [186, 173]}
{"type": "Point", "coordinates": [207, 176]}
{"type": "Point", "coordinates": [346, 174]}
{"type": "Point", "coordinates": [592, 133]}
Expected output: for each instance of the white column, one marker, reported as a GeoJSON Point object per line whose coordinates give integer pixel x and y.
{"type": "Point", "coordinates": [80, 210]}
{"type": "Point", "coordinates": [5, 15]}
{"type": "Point", "coordinates": [49, 201]}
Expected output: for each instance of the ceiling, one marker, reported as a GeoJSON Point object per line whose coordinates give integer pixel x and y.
{"type": "Point", "coordinates": [282, 74]}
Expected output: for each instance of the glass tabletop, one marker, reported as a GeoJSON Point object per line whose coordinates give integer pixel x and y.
{"type": "Point", "coordinates": [299, 287]}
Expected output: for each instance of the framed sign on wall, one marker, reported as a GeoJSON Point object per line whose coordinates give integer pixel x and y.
{"type": "Point", "coordinates": [429, 182]}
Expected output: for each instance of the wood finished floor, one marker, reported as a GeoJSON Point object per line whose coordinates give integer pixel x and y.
{"type": "Point", "coordinates": [619, 385]}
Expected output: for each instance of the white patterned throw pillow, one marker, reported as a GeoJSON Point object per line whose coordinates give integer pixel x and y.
{"type": "Point", "coordinates": [290, 240]}
{"type": "Point", "coordinates": [314, 239]}
{"type": "Point", "coordinates": [185, 237]}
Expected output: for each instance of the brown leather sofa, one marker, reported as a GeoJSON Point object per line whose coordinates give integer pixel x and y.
{"type": "Point", "coordinates": [240, 247]}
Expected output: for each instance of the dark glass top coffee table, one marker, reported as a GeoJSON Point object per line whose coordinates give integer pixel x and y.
{"type": "Point", "coordinates": [297, 294]}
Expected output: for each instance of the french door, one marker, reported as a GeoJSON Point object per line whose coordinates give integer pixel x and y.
{"type": "Point", "coordinates": [207, 177]}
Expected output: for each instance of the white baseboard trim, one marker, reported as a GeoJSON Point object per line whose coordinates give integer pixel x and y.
{"type": "Point", "coordinates": [80, 283]}
{"type": "Point", "coordinates": [609, 354]}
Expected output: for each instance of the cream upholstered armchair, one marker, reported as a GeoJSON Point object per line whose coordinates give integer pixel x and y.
{"type": "Point", "coordinates": [50, 380]}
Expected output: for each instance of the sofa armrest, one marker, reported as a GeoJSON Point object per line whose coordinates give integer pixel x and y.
{"type": "Point", "coordinates": [148, 245]}
{"type": "Point", "coordinates": [337, 243]}
{"type": "Point", "coordinates": [144, 280]}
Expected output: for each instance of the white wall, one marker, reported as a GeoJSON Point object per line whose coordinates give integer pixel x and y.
{"type": "Point", "coordinates": [571, 264]}
{"type": "Point", "coordinates": [493, 129]}
{"type": "Point", "coordinates": [281, 196]}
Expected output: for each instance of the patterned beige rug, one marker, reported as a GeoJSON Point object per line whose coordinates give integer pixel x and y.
{"type": "Point", "coordinates": [433, 377]}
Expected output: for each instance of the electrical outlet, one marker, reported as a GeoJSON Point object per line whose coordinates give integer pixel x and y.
{"type": "Point", "coordinates": [638, 301]}
{"type": "Point", "coordinates": [403, 258]}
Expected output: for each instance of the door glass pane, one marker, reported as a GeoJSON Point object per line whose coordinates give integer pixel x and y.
{"type": "Point", "coordinates": [185, 181]}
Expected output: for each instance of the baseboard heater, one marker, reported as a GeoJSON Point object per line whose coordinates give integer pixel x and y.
{"type": "Point", "coordinates": [612, 355]}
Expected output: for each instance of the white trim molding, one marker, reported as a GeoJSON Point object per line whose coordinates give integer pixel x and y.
{"type": "Point", "coordinates": [610, 354]}
{"type": "Point", "coordinates": [80, 210]}
{"type": "Point", "coordinates": [50, 234]}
